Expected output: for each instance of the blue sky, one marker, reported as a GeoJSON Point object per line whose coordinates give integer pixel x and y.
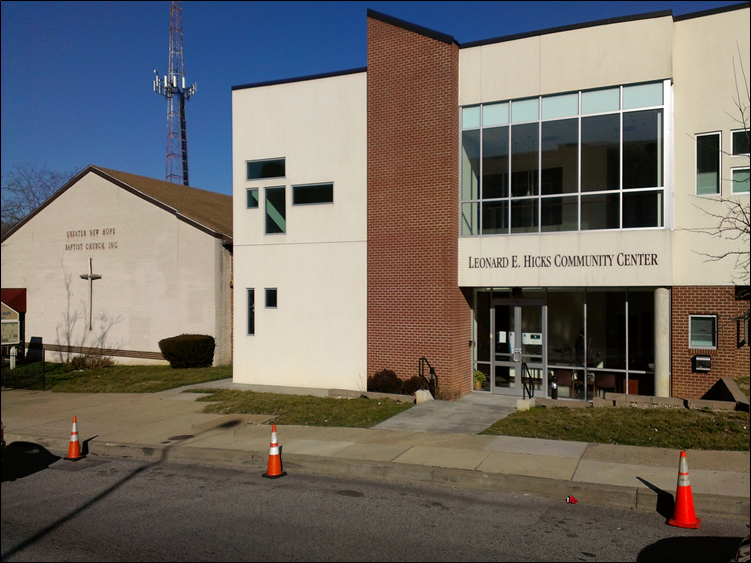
{"type": "Point", "coordinates": [77, 76]}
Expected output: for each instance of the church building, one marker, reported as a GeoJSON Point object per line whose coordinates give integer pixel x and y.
{"type": "Point", "coordinates": [113, 263]}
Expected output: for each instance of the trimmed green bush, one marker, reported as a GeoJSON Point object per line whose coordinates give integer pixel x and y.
{"type": "Point", "coordinates": [385, 381]}
{"type": "Point", "coordinates": [188, 350]}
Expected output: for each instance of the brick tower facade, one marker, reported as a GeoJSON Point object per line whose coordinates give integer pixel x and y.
{"type": "Point", "coordinates": [415, 307]}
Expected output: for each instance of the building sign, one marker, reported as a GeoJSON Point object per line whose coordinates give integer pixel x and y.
{"type": "Point", "coordinates": [11, 326]}
{"type": "Point", "coordinates": [621, 259]}
{"type": "Point", "coordinates": [91, 239]}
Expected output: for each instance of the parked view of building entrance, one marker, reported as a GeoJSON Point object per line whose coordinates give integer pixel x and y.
{"type": "Point", "coordinates": [565, 343]}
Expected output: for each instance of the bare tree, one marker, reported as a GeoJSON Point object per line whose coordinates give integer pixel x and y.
{"type": "Point", "coordinates": [26, 187]}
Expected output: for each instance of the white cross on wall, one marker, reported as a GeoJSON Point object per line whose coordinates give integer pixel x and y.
{"type": "Point", "coordinates": [91, 277]}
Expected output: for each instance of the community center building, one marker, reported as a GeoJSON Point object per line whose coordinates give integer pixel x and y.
{"type": "Point", "coordinates": [538, 208]}
{"type": "Point", "coordinates": [113, 263]}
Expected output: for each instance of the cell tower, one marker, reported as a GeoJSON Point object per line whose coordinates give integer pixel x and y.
{"type": "Point", "coordinates": [172, 87]}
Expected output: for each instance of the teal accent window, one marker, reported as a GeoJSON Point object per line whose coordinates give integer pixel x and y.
{"type": "Point", "coordinates": [740, 180]}
{"type": "Point", "coordinates": [573, 161]}
{"type": "Point", "coordinates": [275, 211]}
{"type": "Point", "coordinates": [252, 198]}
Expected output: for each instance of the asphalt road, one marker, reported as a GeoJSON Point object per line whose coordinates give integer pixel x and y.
{"type": "Point", "coordinates": [108, 509]}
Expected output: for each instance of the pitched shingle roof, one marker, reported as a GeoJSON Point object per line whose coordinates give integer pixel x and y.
{"type": "Point", "coordinates": [210, 212]}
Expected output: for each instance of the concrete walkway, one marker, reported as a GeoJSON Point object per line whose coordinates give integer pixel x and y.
{"type": "Point", "coordinates": [428, 443]}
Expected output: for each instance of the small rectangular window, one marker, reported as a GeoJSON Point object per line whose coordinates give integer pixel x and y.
{"type": "Point", "coordinates": [471, 117]}
{"type": "Point", "coordinates": [708, 164]}
{"type": "Point", "coordinates": [271, 298]}
{"type": "Point", "coordinates": [275, 211]}
{"type": "Point", "coordinates": [740, 180]}
{"type": "Point", "coordinates": [260, 169]}
{"type": "Point", "coordinates": [308, 195]}
{"type": "Point", "coordinates": [252, 198]}
{"type": "Point", "coordinates": [251, 311]}
{"type": "Point", "coordinates": [740, 142]}
{"type": "Point", "coordinates": [703, 331]}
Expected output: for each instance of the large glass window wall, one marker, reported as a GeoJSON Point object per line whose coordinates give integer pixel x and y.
{"type": "Point", "coordinates": [573, 162]}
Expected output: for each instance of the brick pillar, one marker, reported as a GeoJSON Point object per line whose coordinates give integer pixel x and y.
{"type": "Point", "coordinates": [415, 307]}
{"type": "Point", "coordinates": [727, 359]}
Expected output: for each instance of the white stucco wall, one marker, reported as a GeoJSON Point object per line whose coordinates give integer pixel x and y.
{"type": "Point", "coordinates": [158, 273]}
{"type": "Point", "coordinates": [707, 51]}
{"type": "Point", "coordinates": [316, 337]}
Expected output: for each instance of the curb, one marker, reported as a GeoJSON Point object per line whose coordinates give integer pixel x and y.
{"type": "Point", "coordinates": [634, 498]}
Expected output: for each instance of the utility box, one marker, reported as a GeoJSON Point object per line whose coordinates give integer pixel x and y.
{"type": "Point", "coordinates": [701, 364]}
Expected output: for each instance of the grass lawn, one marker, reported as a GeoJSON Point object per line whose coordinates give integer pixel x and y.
{"type": "Point", "coordinates": [304, 410]}
{"type": "Point", "coordinates": [656, 427]}
{"type": "Point", "coordinates": [129, 379]}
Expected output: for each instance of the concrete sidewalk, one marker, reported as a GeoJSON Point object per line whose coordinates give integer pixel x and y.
{"type": "Point", "coordinates": [170, 426]}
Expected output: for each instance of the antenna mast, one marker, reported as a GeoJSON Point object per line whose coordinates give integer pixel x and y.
{"type": "Point", "coordinates": [172, 87]}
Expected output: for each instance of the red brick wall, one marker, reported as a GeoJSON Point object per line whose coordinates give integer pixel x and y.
{"type": "Point", "coordinates": [415, 307]}
{"type": "Point", "coordinates": [727, 359]}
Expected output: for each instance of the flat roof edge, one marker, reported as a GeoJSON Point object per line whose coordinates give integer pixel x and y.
{"type": "Point", "coordinates": [437, 35]}
{"type": "Point", "coordinates": [572, 27]}
{"type": "Point", "coordinates": [712, 11]}
{"type": "Point", "coordinates": [300, 78]}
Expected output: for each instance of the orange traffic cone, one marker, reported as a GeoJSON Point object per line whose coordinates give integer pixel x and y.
{"type": "Point", "coordinates": [684, 515]}
{"type": "Point", "coordinates": [275, 460]}
{"type": "Point", "coordinates": [74, 449]}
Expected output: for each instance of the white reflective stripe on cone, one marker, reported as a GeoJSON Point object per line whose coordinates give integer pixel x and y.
{"type": "Point", "coordinates": [274, 451]}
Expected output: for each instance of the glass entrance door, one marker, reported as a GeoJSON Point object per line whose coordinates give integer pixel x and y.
{"type": "Point", "coordinates": [519, 353]}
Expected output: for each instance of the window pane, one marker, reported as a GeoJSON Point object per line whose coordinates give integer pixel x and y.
{"type": "Point", "coordinates": [470, 117]}
{"type": "Point", "coordinates": [740, 142]}
{"type": "Point", "coordinates": [560, 214]}
{"type": "Point", "coordinates": [740, 181]}
{"type": "Point", "coordinates": [606, 329]}
{"type": "Point", "coordinates": [495, 163]}
{"type": "Point", "coordinates": [495, 114]}
{"type": "Point", "coordinates": [641, 322]}
{"type": "Point", "coordinates": [600, 211]}
{"type": "Point", "coordinates": [560, 156]}
{"type": "Point", "coordinates": [642, 209]}
{"type": "Point", "coordinates": [251, 311]}
{"type": "Point", "coordinates": [642, 149]}
{"type": "Point", "coordinates": [259, 169]}
{"type": "Point", "coordinates": [566, 105]}
{"type": "Point", "coordinates": [524, 216]}
{"type": "Point", "coordinates": [524, 149]}
{"type": "Point", "coordinates": [469, 218]}
{"type": "Point", "coordinates": [565, 323]}
{"type": "Point", "coordinates": [600, 101]}
{"type": "Point", "coordinates": [601, 148]}
{"type": "Point", "coordinates": [524, 110]}
{"type": "Point", "coordinates": [703, 332]}
{"type": "Point", "coordinates": [275, 211]}
{"type": "Point", "coordinates": [495, 218]}
{"type": "Point", "coordinates": [470, 165]}
{"type": "Point", "coordinates": [271, 298]}
{"type": "Point", "coordinates": [252, 196]}
{"type": "Point", "coordinates": [642, 96]}
{"type": "Point", "coordinates": [708, 164]}
{"type": "Point", "coordinates": [322, 193]}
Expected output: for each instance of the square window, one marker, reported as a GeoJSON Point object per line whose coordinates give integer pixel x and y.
{"type": "Point", "coordinates": [703, 331]}
{"type": "Point", "coordinates": [271, 298]}
{"type": "Point", "coordinates": [740, 180]}
{"type": "Point", "coordinates": [252, 198]}
{"type": "Point", "coordinates": [708, 164]}
{"type": "Point", "coordinates": [740, 142]}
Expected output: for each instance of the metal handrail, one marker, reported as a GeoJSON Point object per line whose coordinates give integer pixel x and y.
{"type": "Point", "coordinates": [530, 391]}
{"type": "Point", "coordinates": [433, 382]}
